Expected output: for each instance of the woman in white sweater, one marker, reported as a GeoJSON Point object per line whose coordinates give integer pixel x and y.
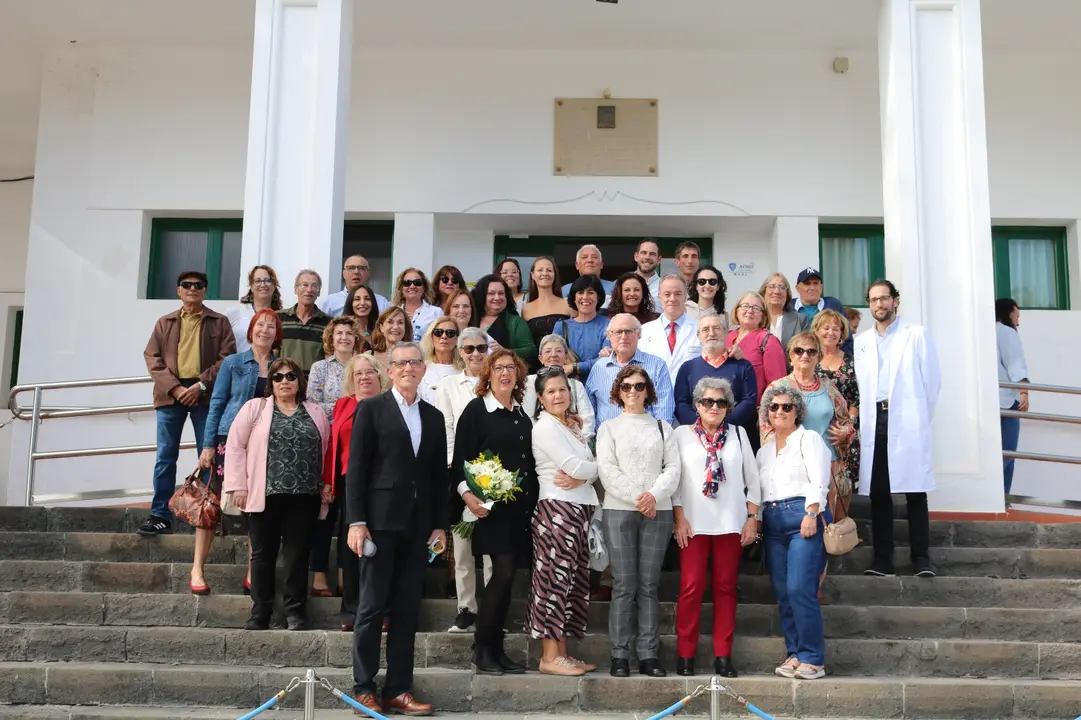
{"type": "Point", "coordinates": [715, 508]}
{"type": "Point", "coordinates": [559, 599]}
{"type": "Point", "coordinates": [639, 468]}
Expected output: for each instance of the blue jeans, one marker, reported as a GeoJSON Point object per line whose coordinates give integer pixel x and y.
{"type": "Point", "coordinates": [170, 426]}
{"type": "Point", "coordinates": [795, 563]}
{"type": "Point", "coordinates": [1011, 433]}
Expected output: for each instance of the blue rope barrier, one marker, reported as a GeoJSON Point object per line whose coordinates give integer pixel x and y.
{"type": "Point", "coordinates": [356, 706]}
{"type": "Point", "coordinates": [743, 701]}
{"type": "Point", "coordinates": [701, 689]}
{"type": "Point", "coordinates": [265, 706]}
{"type": "Point", "coordinates": [672, 710]}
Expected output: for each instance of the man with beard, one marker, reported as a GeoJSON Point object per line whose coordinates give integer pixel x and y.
{"type": "Point", "coordinates": [647, 259]}
{"type": "Point", "coordinates": [898, 375]}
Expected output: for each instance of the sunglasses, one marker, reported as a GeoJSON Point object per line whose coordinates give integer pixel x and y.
{"type": "Point", "coordinates": [449, 280]}
{"type": "Point", "coordinates": [550, 370]}
{"type": "Point", "coordinates": [786, 407]}
{"type": "Point", "coordinates": [470, 349]}
{"type": "Point", "coordinates": [706, 281]}
{"type": "Point", "coordinates": [288, 376]}
{"type": "Point", "coordinates": [193, 285]}
{"type": "Point", "coordinates": [412, 283]}
{"type": "Point", "coordinates": [800, 352]}
{"type": "Point", "coordinates": [637, 387]}
{"type": "Point", "coordinates": [445, 332]}
{"type": "Point", "coordinates": [709, 403]}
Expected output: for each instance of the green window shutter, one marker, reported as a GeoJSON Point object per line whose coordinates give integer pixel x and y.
{"type": "Point", "coordinates": [1031, 266]}
{"type": "Point", "coordinates": [851, 257]}
{"type": "Point", "coordinates": [209, 246]}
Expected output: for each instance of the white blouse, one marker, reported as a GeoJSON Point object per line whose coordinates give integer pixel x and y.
{"type": "Point", "coordinates": [580, 404]}
{"type": "Point", "coordinates": [634, 459]}
{"type": "Point", "coordinates": [432, 377]}
{"type": "Point", "coordinates": [801, 469]}
{"type": "Point", "coordinates": [555, 448]}
{"type": "Point", "coordinates": [727, 512]}
{"type": "Point", "coordinates": [239, 319]}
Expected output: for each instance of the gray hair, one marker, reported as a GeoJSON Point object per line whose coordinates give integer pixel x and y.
{"type": "Point", "coordinates": [470, 332]}
{"type": "Point", "coordinates": [637, 324]}
{"type": "Point", "coordinates": [405, 345]}
{"type": "Point", "coordinates": [590, 246]}
{"type": "Point", "coordinates": [710, 312]}
{"type": "Point", "coordinates": [549, 339]}
{"type": "Point", "coordinates": [673, 276]}
{"type": "Point", "coordinates": [308, 271]}
{"type": "Point", "coordinates": [777, 388]}
{"type": "Point", "coordinates": [714, 383]}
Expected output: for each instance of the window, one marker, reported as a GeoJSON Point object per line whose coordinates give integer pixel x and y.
{"type": "Point", "coordinates": [851, 257]}
{"type": "Point", "coordinates": [617, 252]}
{"type": "Point", "coordinates": [211, 246]}
{"type": "Point", "coordinates": [1030, 266]}
{"type": "Point", "coordinates": [373, 239]}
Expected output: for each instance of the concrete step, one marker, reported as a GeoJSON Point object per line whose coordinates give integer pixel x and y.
{"type": "Point", "coordinates": [133, 577]}
{"type": "Point", "coordinates": [213, 646]}
{"type": "Point", "coordinates": [115, 712]}
{"type": "Point", "coordinates": [461, 691]}
{"type": "Point", "coordinates": [757, 620]}
{"type": "Point", "coordinates": [943, 533]}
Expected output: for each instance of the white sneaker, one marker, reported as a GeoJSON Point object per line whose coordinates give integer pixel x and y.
{"type": "Point", "coordinates": [463, 623]}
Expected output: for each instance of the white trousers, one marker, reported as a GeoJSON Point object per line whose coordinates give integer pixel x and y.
{"type": "Point", "coordinates": [465, 573]}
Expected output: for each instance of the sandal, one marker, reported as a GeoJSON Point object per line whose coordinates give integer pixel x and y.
{"type": "Point", "coordinates": [561, 666]}
{"type": "Point", "coordinates": [787, 669]}
{"type": "Point", "coordinates": [806, 671]}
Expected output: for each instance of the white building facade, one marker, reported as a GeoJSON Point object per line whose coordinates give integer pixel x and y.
{"type": "Point", "coordinates": [934, 141]}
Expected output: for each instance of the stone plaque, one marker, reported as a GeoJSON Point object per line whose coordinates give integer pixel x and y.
{"type": "Point", "coordinates": [601, 137]}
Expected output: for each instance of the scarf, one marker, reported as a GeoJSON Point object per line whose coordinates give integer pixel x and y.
{"type": "Point", "coordinates": [714, 467]}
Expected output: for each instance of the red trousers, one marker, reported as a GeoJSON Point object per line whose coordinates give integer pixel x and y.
{"type": "Point", "coordinates": [695, 572]}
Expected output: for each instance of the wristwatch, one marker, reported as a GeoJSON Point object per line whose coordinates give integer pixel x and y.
{"type": "Point", "coordinates": [754, 516]}
{"type": "Point", "coordinates": [202, 386]}
{"type": "Point", "coordinates": [812, 514]}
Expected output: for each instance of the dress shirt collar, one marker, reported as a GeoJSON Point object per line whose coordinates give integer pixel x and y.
{"type": "Point", "coordinates": [491, 404]}
{"type": "Point", "coordinates": [891, 329]}
{"type": "Point", "coordinates": [680, 321]}
{"type": "Point", "coordinates": [797, 303]}
{"type": "Point", "coordinates": [610, 361]}
{"type": "Point", "coordinates": [400, 399]}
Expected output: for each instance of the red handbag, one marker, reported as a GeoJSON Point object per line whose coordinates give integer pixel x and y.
{"type": "Point", "coordinates": [195, 504]}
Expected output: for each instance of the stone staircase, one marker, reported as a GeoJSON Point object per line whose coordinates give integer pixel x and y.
{"type": "Point", "coordinates": [96, 622]}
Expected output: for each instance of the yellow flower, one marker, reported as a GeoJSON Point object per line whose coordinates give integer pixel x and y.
{"type": "Point", "coordinates": [484, 481]}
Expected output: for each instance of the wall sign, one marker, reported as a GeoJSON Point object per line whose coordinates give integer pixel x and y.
{"type": "Point", "coordinates": [605, 137]}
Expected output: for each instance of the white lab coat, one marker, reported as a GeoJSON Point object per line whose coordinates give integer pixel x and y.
{"type": "Point", "coordinates": [914, 385]}
{"type": "Point", "coordinates": [655, 342]}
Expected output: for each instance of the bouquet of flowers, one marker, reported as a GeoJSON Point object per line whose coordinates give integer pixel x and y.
{"type": "Point", "coordinates": [491, 483]}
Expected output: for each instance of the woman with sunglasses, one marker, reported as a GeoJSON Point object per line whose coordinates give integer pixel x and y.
{"type": "Point", "coordinates": [639, 469]}
{"type": "Point", "coordinates": [459, 306]}
{"type": "Point", "coordinates": [631, 295]}
{"type": "Point", "coordinates": [448, 280]}
{"type": "Point", "coordinates": [838, 366]}
{"type": "Point", "coordinates": [707, 290]}
{"type": "Point", "coordinates": [555, 353]}
{"type": "Point", "coordinates": [274, 471]}
{"type": "Point", "coordinates": [451, 397]}
{"type": "Point", "coordinates": [510, 272]}
{"type": "Point", "coordinates": [411, 291]}
{"type": "Point", "coordinates": [794, 478]}
{"type": "Point", "coordinates": [361, 305]}
{"type": "Point", "coordinates": [440, 348]}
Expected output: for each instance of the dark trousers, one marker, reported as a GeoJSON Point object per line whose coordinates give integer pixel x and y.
{"type": "Point", "coordinates": [393, 577]}
{"type": "Point", "coordinates": [287, 521]}
{"type": "Point", "coordinates": [171, 419]}
{"type": "Point", "coordinates": [495, 601]}
{"type": "Point", "coordinates": [349, 562]}
{"type": "Point", "coordinates": [324, 531]}
{"type": "Point", "coordinates": [919, 524]}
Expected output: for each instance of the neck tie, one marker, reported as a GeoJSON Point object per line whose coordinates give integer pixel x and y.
{"type": "Point", "coordinates": [671, 337]}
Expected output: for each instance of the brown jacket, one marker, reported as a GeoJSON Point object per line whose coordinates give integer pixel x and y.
{"type": "Point", "coordinates": [216, 342]}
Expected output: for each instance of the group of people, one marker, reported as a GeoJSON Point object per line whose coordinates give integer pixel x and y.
{"type": "Point", "coordinates": [636, 413]}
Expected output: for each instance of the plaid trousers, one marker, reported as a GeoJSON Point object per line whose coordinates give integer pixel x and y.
{"type": "Point", "coordinates": [636, 548]}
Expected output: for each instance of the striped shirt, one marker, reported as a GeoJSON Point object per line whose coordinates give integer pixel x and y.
{"type": "Point", "coordinates": [603, 375]}
{"type": "Point", "coordinates": [303, 342]}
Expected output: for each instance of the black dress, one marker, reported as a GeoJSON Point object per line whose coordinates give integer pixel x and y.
{"type": "Point", "coordinates": [540, 327]}
{"type": "Point", "coordinates": [508, 434]}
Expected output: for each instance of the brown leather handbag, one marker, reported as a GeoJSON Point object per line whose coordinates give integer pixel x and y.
{"type": "Point", "coordinates": [195, 504]}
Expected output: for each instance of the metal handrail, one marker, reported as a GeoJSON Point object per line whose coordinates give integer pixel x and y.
{"type": "Point", "coordinates": [1042, 457]}
{"type": "Point", "coordinates": [39, 412]}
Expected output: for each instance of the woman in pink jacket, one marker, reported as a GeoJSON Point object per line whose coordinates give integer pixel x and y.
{"type": "Point", "coordinates": [760, 347]}
{"type": "Point", "coordinates": [274, 471]}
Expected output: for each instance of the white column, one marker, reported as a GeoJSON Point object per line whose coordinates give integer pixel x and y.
{"type": "Point", "coordinates": [414, 243]}
{"type": "Point", "coordinates": [795, 245]}
{"type": "Point", "coordinates": [938, 232]}
{"type": "Point", "coordinates": [295, 185]}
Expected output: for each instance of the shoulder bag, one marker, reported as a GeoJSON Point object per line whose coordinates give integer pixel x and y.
{"type": "Point", "coordinates": [195, 504]}
{"type": "Point", "coordinates": [840, 537]}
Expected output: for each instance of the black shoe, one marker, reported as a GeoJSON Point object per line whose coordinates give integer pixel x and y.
{"type": "Point", "coordinates": [923, 567]}
{"type": "Point", "coordinates": [723, 666]}
{"type": "Point", "coordinates": [296, 622]}
{"type": "Point", "coordinates": [510, 667]}
{"type": "Point", "coordinates": [880, 569]}
{"type": "Point", "coordinates": [257, 624]}
{"type": "Point", "coordinates": [685, 667]}
{"type": "Point", "coordinates": [463, 621]}
{"type": "Point", "coordinates": [652, 668]}
{"type": "Point", "coordinates": [485, 661]}
{"type": "Point", "coordinates": [155, 525]}
{"type": "Point", "coordinates": [621, 667]}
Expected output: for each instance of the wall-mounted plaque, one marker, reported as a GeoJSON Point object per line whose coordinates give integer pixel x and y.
{"type": "Point", "coordinates": [601, 137]}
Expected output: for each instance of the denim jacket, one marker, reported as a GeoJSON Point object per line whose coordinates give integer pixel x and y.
{"type": "Point", "coordinates": [234, 386]}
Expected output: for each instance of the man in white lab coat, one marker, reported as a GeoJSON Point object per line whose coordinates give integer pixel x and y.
{"type": "Point", "coordinates": [673, 337]}
{"type": "Point", "coordinates": [898, 375]}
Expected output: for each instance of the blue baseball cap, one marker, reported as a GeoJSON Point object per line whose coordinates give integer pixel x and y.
{"type": "Point", "coordinates": [807, 273]}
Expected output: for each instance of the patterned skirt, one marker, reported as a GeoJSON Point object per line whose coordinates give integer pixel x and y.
{"type": "Point", "coordinates": [558, 604]}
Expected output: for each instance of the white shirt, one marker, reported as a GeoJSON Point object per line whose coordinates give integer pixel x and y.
{"type": "Point", "coordinates": [334, 304]}
{"type": "Point", "coordinates": [801, 469]}
{"type": "Point", "coordinates": [727, 512]}
{"type": "Point", "coordinates": [240, 319]}
{"type": "Point", "coordinates": [633, 459]}
{"type": "Point", "coordinates": [579, 404]}
{"type": "Point", "coordinates": [451, 397]}
{"type": "Point", "coordinates": [555, 448]}
{"type": "Point", "coordinates": [653, 285]}
{"type": "Point", "coordinates": [432, 377]}
{"type": "Point", "coordinates": [424, 316]}
{"type": "Point", "coordinates": [411, 415]}
{"type": "Point", "coordinates": [1011, 363]}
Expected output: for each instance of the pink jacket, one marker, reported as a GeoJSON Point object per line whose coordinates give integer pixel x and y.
{"type": "Point", "coordinates": [246, 450]}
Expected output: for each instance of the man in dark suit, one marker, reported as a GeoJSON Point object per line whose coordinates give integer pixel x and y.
{"type": "Point", "coordinates": [397, 489]}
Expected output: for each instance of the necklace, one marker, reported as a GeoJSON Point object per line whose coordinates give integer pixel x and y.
{"type": "Point", "coordinates": [809, 387]}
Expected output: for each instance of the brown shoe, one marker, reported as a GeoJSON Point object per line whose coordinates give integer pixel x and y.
{"type": "Point", "coordinates": [369, 701]}
{"type": "Point", "coordinates": [347, 627]}
{"type": "Point", "coordinates": [406, 704]}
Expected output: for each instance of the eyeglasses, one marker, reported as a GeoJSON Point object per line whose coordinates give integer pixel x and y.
{"type": "Point", "coordinates": [809, 352]}
{"type": "Point", "coordinates": [309, 286]}
{"type": "Point", "coordinates": [637, 387]}
{"type": "Point", "coordinates": [193, 285]}
{"type": "Point", "coordinates": [449, 279]}
{"type": "Point", "coordinates": [784, 407]}
{"type": "Point", "coordinates": [401, 364]}
{"type": "Point", "coordinates": [879, 300]}
{"type": "Point", "coordinates": [500, 369]}
{"type": "Point", "coordinates": [617, 333]}
{"type": "Point", "coordinates": [413, 283]}
{"type": "Point", "coordinates": [470, 349]}
{"type": "Point", "coordinates": [748, 308]}
{"type": "Point", "coordinates": [711, 329]}
{"type": "Point", "coordinates": [262, 281]}
{"type": "Point", "coordinates": [550, 370]}
{"type": "Point", "coordinates": [706, 281]}
{"type": "Point", "coordinates": [365, 373]}
{"type": "Point", "coordinates": [287, 376]}
{"type": "Point", "coordinates": [709, 403]}
{"type": "Point", "coordinates": [355, 268]}
{"type": "Point", "coordinates": [777, 288]}
{"type": "Point", "coordinates": [445, 332]}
